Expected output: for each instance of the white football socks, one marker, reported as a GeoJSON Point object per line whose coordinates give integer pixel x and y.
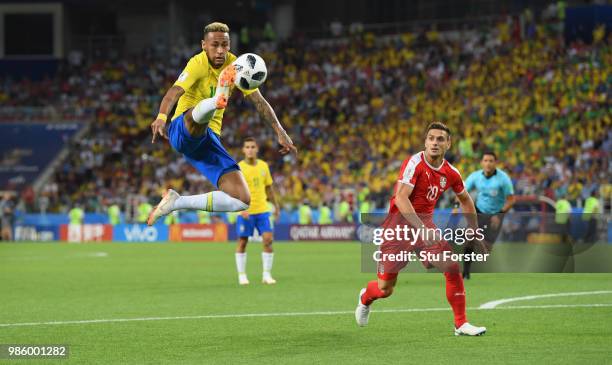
{"type": "Point", "coordinates": [241, 259]}
{"type": "Point", "coordinates": [204, 111]}
{"type": "Point", "coordinates": [267, 259]}
{"type": "Point", "coordinates": [215, 201]}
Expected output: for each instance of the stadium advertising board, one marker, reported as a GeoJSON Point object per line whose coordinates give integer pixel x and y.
{"type": "Point", "coordinates": [193, 232]}
{"type": "Point", "coordinates": [329, 232]}
{"type": "Point", "coordinates": [86, 232]}
{"type": "Point", "coordinates": [140, 233]}
{"type": "Point", "coordinates": [36, 232]}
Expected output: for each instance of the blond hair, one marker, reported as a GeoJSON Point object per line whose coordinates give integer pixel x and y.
{"type": "Point", "coordinates": [216, 27]}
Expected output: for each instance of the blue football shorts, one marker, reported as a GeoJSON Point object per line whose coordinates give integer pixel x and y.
{"type": "Point", "coordinates": [246, 227]}
{"type": "Point", "coordinates": [205, 153]}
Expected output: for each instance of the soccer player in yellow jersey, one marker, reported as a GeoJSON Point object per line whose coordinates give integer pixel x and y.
{"type": "Point", "coordinates": [202, 91]}
{"type": "Point", "coordinates": [259, 180]}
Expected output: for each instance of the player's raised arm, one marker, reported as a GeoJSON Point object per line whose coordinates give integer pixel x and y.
{"type": "Point", "coordinates": [268, 114]}
{"type": "Point", "coordinates": [159, 125]}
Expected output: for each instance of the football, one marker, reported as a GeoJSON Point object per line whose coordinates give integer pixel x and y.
{"type": "Point", "coordinates": [251, 71]}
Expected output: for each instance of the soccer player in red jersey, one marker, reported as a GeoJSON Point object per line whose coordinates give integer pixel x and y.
{"type": "Point", "coordinates": [422, 180]}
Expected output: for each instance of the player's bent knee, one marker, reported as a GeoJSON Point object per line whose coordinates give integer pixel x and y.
{"type": "Point", "coordinates": [245, 197]}
{"type": "Point", "coordinates": [234, 185]}
{"type": "Point", "coordinates": [241, 205]}
{"type": "Point", "coordinates": [244, 194]}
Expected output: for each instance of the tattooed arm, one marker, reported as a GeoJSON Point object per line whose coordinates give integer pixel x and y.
{"type": "Point", "coordinates": [267, 113]}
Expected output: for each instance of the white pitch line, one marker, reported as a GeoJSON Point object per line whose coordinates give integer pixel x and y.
{"type": "Point", "coordinates": [286, 314]}
{"type": "Point", "coordinates": [495, 303]}
{"type": "Point", "coordinates": [551, 306]}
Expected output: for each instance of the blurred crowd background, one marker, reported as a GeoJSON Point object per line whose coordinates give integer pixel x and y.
{"type": "Point", "coordinates": [356, 102]}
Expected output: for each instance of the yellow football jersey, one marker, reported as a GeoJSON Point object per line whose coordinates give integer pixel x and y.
{"type": "Point", "coordinates": [258, 177]}
{"type": "Point", "coordinates": [199, 80]}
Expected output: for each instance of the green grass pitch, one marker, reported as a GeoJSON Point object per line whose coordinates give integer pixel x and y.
{"type": "Point", "coordinates": [189, 301]}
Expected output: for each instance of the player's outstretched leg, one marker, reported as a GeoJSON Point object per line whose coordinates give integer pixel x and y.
{"type": "Point", "coordinates": [215, 201]}
{"type": "Point", "coordinates": [234, 197]}
{"type": "Point", "coordinates": [267, 258]}
{"type": "Point", "coordinates": [376, 289]}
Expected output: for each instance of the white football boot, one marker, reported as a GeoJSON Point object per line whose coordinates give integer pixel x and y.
{"type": "Point", "coordinates": [268, 280]}
{"type": "Point", "coordinates": [467, 329]}
{"type": "Point", "coordinates": [362, 312]}
{"type": "Point", "coordinates": [243, 280]}
{"type": "Point", "coordinates": [164, 207]}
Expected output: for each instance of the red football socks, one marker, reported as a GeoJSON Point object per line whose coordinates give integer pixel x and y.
{"type": "Point", "coordinates": [372, 293]}
{"type": "Point", "coordinates": [455, 294]}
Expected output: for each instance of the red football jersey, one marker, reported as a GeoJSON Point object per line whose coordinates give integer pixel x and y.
{"type": "Point", "coordinates": [429, 183]}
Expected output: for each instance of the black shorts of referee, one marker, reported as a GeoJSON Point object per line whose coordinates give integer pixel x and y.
{"type": "Point", "coordinates": [491, 232]}
{"type": "Point", "coordinates": [490, 235]}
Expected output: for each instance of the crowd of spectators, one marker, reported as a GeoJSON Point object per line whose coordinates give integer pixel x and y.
{"type": "Point", "coordinates": [356, 108]}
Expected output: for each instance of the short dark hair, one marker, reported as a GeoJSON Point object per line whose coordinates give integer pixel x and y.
{"type": "Point", "coordinates": [215, 27]}
{"type": "Point", "coordinates": [489, 153]}
{"type": "Point", "coordinates": [249, 139]}
{"type": "Point", "coordinates": [438, 125]}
